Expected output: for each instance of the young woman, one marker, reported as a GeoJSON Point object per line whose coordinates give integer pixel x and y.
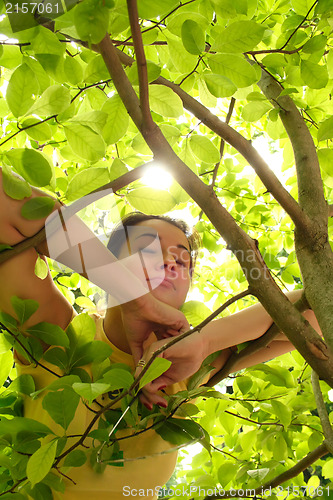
{"type": "Point", "coordinates": [167, 254]}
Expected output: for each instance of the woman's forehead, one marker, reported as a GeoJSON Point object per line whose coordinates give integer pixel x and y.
{"type": "Point", "coordinates": [165, 231]}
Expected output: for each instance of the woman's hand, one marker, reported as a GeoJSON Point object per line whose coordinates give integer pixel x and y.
{"type": "Point", "coordinates": [147, 314]}
{"type": "Point", "coordinates": [186, 357]}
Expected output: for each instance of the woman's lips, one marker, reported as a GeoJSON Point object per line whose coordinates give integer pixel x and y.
{"type": "Point", "coordinates": [165, 282]}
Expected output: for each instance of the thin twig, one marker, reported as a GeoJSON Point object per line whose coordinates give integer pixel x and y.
{"type": "Point", "coordinates": [32, 358]}
{"type": "Point", "coordinates": [227, 121]}
{"type": "Point", "coordinates": [322, 412]}
{"type": "Point", "coordinates": [299, 25]}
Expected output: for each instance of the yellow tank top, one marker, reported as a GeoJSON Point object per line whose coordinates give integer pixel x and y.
{"type": "Point", "coordinates": [149, 460]}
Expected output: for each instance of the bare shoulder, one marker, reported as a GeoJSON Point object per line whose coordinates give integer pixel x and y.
{"type": "Point", "coordinates": [17, 275]}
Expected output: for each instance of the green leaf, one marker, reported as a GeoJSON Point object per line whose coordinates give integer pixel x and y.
{"type": "Point", "coordinates": [314, 75]}
{"type": "Point", "coordinates": [158, 366]}
{"type": "Point", "coordinates": [96, 70]}
{"type": "Point", "coordinates": [40, 463]}
{"type": "Point", "coordinates": [302, 7]}
{"type": "Point", "coordinates": [179, 431]}
{"type": "Point", "coordinates": [49, 333]}
{"type": "Point", "coordinates": [325, 130]}
{"type": "Point", "coordinates": [325, 157]}
{"type": "Point", "coordinates": [86, 181]}
{"type": "Point", "coordinates": [73, 70]}
{"type": "Point", "coordinates": [255, 110]}
{"type": "Point", "coordinates": [244, 384]}
{"type": "Point", "coordinates": [91, 21]}
{"type": "Point", "coordinates": [23, 424]}
{"type": "Point", "coordinates": [152, 201]}
{"type": "Point", "coordinates": [234, 67]}
{"type": "Point", "coordinates": [239, 36]}
{"type": "Point", "coordinates": [53, 101]}
{"type": "Point", "coordinates": [327, 469]}
{"type": "Point", "coordinates": [84, 141]}
{"type": "Point", "coordinates": [280, 448]}
{"type": "Point", "coordinates": [75, 458]}
{"type": "Point", "coordinates": [23, 384]}
{"type": "Point", "coordinates": [153, 71]}
{"type": "Point", "coordinates": [81, 330]}
{"type": "Point", "coordinates": [258, 474]}
{"type": "Point", "coordinates": [184, 62]}
{"type": "Point", "coordinates": [21, 87]}
{"type": "Point", "coordinates": [117, 120]}
{"type": "Point", "coordinates": [57, 357]}
{"type": "Point", "coordinates": [315, 44]}
{"type": "Point", "coordinates": [204, 149]}
{"type": "Point", "coordinates": [61, 405]}
{"type": "Point", "coordinates": [164, 101]}
{"type": "Point", "coordinates": [193, 37]}
{"type": "Point", "coordinates": [118, 379]}
{"type": "Point", "coordinates": [148, 10]}
{"type": "Point", "coordinates": [219, 86]}
{"type": "Point", "coordinates": [24, 309]}
{"type": "Point", "coordinates": [37, 208]}
{"type": "Point", "coordinates": [38, 130]}
{"type": "Point", "coordinates": [94, 119]}
{"type": "Point", "coordinates": [14, 186]}
{"type": "Point", "coordinates": [6, 364]}
{"type": "Point", "coordinates": [45, 41]}
{"type": "Point", "coordinates": [90, 391]}
{"type": "Point", "coordinates": [87, 353]}
{"type": "Point", "coordinates": [41, 269]}
{"type": "Point", "coordinates": [63, 382]}
{"type": "Point", "coordinates": [32, 165]}
{"type": "Point", "coordinates": [117, 169]}
{"type": "Point", "coordinates": [195, 311]}
{"type": "Point", "coordinates": [41, 491]}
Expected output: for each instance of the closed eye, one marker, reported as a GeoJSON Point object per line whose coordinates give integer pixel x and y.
{"type": "Point", "coordinates": [146, 250]}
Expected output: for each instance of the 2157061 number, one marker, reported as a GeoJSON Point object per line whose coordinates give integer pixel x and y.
{"type": "Point", "coordinates": [32, 8]}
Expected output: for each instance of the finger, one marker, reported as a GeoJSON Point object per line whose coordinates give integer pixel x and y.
{"type": "Point", "coordinates": [137, 352]}
{"type": "Point", "coordinates": [158, 384]}
{"type": "Point", "coordinates": [153, 399]}
{"type": "Point", "coordinates": [145, 401]}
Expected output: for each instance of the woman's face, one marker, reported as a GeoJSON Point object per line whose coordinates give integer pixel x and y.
{"type": "Point", "coordinates": [165, 257]}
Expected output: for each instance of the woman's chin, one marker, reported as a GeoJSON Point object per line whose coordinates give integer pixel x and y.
{"type": "Point", "coordinates": [165, 295]}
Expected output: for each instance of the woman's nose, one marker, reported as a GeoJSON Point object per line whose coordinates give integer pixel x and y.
{"type": "Point", "coordinates": [169, 261]}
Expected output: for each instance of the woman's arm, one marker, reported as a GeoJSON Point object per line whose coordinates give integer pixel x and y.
{"type": "Point", "coordinates": [222, 335]}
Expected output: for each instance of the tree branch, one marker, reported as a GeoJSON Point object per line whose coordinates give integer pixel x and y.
{"type": "Point", "coordinates": [253, 347]}
{"type": "Point", "coordinates": [236, 140]}
{"type": "Point", "coordinates": [322, 412]}
{"type": "Point", "coordinates": [310, 184]}
{"type": "Point", "coordinates": [133, 14]}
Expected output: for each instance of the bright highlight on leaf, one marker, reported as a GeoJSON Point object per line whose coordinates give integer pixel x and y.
{"type": "Point", "coordinates": [41, 269]}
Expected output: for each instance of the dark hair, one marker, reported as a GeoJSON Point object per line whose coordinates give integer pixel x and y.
{"type": "Point", "coordinates": [118, 238]}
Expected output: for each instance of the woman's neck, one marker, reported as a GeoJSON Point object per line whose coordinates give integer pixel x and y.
{"type": "Point", "coordinates": [114, 329]}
